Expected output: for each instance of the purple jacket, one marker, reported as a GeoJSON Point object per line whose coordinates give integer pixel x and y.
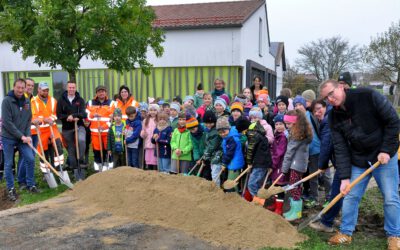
{"type": "Point", "coordinates": [278, 150]}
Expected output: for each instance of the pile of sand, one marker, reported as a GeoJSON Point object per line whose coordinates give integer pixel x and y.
{"type": "Point", "coordinates": [190, 204]}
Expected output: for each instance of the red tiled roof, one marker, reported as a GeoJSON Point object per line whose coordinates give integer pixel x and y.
{"type": "Point", "coordinates": [199, 15]}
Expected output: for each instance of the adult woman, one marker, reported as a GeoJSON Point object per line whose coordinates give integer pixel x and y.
{"type": "Point", "coordinates": [255, 88]}
{"type": "Point", "coordinates": [124, 100]}
{"type": "Point", "coordinates": [219, 89]}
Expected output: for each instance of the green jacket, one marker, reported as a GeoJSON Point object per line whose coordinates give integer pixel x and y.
{"type": "Point", "coordinates": [184, 143]}
{"type": "Point", "coordinates": [198, 146]}
{"type": "Point", "coordinates": [174, 123]}
{"type": "Point", "coordinates": [198, 100]}
{"type": "Point", "coordinates": [213, 149]}
{"type": "Point", "coordinates": [111, 137]}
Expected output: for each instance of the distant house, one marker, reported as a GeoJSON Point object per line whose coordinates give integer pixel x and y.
{"type": "Point", "coordinates": [205, 41]}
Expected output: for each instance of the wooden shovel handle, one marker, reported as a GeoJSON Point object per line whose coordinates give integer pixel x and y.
{"type": "Point", "coordinates": [76, 140]}
{"type": "Point", "coordinates": [266, 177]}
{"type": "Point", "coordinates": [45, 161]}
{"type": "Point", "coordinates": [40, 140]}
{"type": "Point", "coordinates": [243, 173]}
{"type": "Point", "coordinates": [277, 179]}
{"type": "Point", "coordinates": [53, 140]}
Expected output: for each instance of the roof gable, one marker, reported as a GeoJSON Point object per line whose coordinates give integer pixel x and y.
{"type": "Point", "coordinates": [277, 50]}
{"type": "Point", "coordinates": [203, 15]}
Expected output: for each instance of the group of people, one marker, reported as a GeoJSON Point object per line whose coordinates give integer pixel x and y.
{"type": "Point", "coordinates": [216, 137]}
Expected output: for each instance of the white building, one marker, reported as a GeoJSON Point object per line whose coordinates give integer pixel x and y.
{"type": "Point", "coordinates": [228, 40]}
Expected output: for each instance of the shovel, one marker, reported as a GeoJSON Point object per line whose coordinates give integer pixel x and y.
{"type": "Point", "coordinates": [48, 175]}
{"type": "Point", "coordinates": [220, 172]}
{"type": "Point", "coordinates": [264, 194]}
{"type": "Point", "coordinates": [201, 169]}
{"type": "Point", "coordinates": [338, 197]}
{"type": "Point", "coordinates": [59, 160]}
{"type": "Point", "coordinates": [78, 173]}
{"type": "Point", "coordinates": [229, 184]}
{"type": "Point", "coordinates": [191, 170]}
{"type": "Point", "coordinates": [65, 182]}
{"type": "Point", "coordinates": [109, 165]}
{"type": "Point", "coordinates": [261, 190]}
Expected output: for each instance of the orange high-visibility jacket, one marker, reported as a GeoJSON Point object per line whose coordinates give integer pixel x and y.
{"type": "Point", "coordinates": [119, 104]}
{"type": "Point", "coordinates": [103, 111]}
{"type": "Point", "coordinates": [41, 110]}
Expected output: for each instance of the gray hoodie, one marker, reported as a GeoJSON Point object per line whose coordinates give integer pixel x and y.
{"type": "Point", "coordinates": [16, 115]}
{"type": "Point", "coordinates": [296, 156]}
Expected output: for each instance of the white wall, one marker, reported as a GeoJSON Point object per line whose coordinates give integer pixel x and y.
{"type": "Point", "coordinates": [279, 78]}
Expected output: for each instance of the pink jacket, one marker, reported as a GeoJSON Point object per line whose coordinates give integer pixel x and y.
{"type": "Point", "coordinates": [268, 131]}
{"type": "Point", "coordinates": [147, 133]}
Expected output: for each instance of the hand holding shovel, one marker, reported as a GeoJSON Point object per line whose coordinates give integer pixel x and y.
{"type": "Point", "coordinates": [229, 184]}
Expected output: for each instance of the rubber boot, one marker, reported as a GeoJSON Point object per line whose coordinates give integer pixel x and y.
{"type": "Point", "coordinates": [258, 200]}
{"type": "Point", "coordinates": [247, 196]}
{"type": "Point", "coordinates": [290, 205]}
{"type": "Point", "coordinates": [295, 210]}
{"type": "Point", "coordinates": [272, 206]}
{"type": "Point", "coordinates": [279, 207]}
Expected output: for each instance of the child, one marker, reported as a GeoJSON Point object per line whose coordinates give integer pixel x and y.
{"type": "Point", "coordinates": [220, 108]}
{"type": "Point", "coordinates": [212, 148]}
{"type": "Point", "coordinates": [133, 127]}
{"type": "Point", "coordinates": [174, 110]}
{"type": "Point", "coordinates": [255, 116]}
{"type": "Point", "coordinates": [278, 150]}
{"type": "Point", "coordinates": [282, 103]}
{"type": "Point", "coordinates": [258, 156]}
{"type": "Point", "coordinates": [115, 145]}
{"type": "Point", "coordinates": [296, 158]}
{"type": "Point", "coordinates": [197, 136]}
{"type": "Point", "coordinates": [198, 97]}
{"type": "Point", "coordinates": [148, 126]}
{"type": "Point", "coordinates": [166, 108]}
{"type": "Point", "coordinates": [181, 146]}
{"type": "Point", "coordinates": [263, 103]}
{"type": "Point", "coordinates": [236, 112]}
{"type": "Point", "coordinates": [207, 105]}
{"type": "Point", "coordinates": [162, 137]}
{"type": "Point", "coordinates": [143, 108]}
{"type": "Point", "coordinates": [189, 100]}
{"type": "Point", "coordinates": [232, 157]}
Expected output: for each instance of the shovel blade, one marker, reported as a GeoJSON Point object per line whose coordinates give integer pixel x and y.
{"type": "Point", "coordinates": [229, 184]}
{"type": "Point", "coordinates": [305, 223]}
{"type": "Point", "coordinates": [51, 181]}
{"type": "Point", "coordinates": [65, 177]}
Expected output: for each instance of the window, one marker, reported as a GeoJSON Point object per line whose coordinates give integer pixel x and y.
{"type": "Point", "coordinates": [260, 38]}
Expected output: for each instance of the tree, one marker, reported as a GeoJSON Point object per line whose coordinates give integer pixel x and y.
{"type": "Point", "coordinates": [62, 32]}
{"type": "Point", "coordinates": [383, 55]}
{"type": "Point", "coordinates": [327, 58]}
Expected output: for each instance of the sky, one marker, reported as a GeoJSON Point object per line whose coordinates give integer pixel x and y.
{"type": "Point", "coordinates": [298, 22]}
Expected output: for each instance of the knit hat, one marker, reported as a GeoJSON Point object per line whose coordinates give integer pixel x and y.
{"type": "Point", "coordinates": [345, 77]}
{"type": "Point", "coordinates": [190, 110]}
{"type": "Point", "coordinates": [256, 112]}
{"type": "Point", "coordinates": [242, 124]}
{"type": "Point", "coordinates": [263, 98]}
{"type": "Point", "coordinates": [278, 118]}
{"type": "Point", "coordinates": [175, 106]}
{"type": "Point", "coordinates": [283, 99]}
{"type": "Point", "coordinates": [188, 98]}
{"type": "Point", "coordinates": [223, 123]}
{"type": "Point", "coordinates": [263, 91]}
{"type": "Point", "coordinates": [143, 106]}
{"type": "Point", "coordinates": [182, 115]}
{"type": "Point", "coordinates": [226, 98]}
{"type": "Point", "coordinates": [154, 106]}
{"type": "Point", "coordinates": [240, 98]}
{"type": "Point", "coordinates": [248, 105]}
{"type": "Point", "coordinates": [117, 112]}
{"type": "Point", "coordinates": [237, 106]}
{"type": "Point", "coordinates": [191, 122]}
{"type": "Point", "coordinates": [220, 101]}
{"type": "Point", "coordinates": [309, 95]}
{"type": "Point", "coordinates": [209, 117]}
{"type": "Point", "coordinates": [299, 99]}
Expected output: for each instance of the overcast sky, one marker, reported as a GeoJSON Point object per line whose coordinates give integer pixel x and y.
{"type": "Point", "coordinates": [296, 22]}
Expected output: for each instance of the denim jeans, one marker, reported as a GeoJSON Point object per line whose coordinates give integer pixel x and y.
{"type": "Point", "coordinates": [313, 167]}
{"type": "Point", "coordinates": [329, 217]}
{"type": "Point", "coordinates": [256, 180]}
{"type": "Point", "coordinates": [69, 137]}
{"type": "Point", "coordinates": [133, 157]}
{"type": "Point", "coordinates": [21, 170]}
{"type": "Point", "coordinates": [215, 169]}
{"type": "Point", "coordinates": [164, 165]}
{"type": "Point", "coordinates": [25, 152]}
{"type": "Point", "coordinates": [386, 178]}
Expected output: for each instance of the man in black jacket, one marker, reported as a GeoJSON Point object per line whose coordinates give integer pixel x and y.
{"type": "Point", "coordinates": [365, 129]}
{"type": "Point", "coordinates": [16, 132]}
{"type": "Point", "coordinates": [71, 108]}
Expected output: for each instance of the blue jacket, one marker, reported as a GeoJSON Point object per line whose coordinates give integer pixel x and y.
{"type": "Point", "coordinates": [233, 157]}
{"type": "Point", "coordinates": [326, 152]}
{"type": "Point", "coordinates": [136, 124]}
{"type": "Point", "coordinates": [315, 145]}
{"type": "Point", "coordinates": [164, 142]}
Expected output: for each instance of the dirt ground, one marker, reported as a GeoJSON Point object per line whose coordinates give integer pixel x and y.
{"type": "Point", "coordinates": [5, 203]}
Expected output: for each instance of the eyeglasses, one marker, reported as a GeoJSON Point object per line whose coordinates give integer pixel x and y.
{"type": "Point", "coordinates": [330, 94]}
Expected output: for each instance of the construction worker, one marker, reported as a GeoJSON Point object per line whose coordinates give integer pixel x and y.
{"type": "Point", "coordinates": [44, 110]}
{"type": "Point", "coordinates": [71, 109]}
{"type": "Point", "coordinates": [99, 113]}
{"type": "Point", "coordinates": [124, 100]}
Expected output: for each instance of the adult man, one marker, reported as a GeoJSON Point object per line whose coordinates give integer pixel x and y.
{"type": "Point", "coordinates": [364, 128]}
{"type": "Point", "coordinates": [16, 115]}
{"type": "Point", "coordinates": [71, 108]}
{"type": "Point", "coordinates": [99, 111]}
{"type": "Point", "coordinates": [44, 109]}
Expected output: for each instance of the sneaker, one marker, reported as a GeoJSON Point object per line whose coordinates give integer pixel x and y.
{"type": "Point", "coordinates": [22, 187]}
{"type": "Point", "coordinates": [318, 226]}
{"type": "Point", "coordinates": [339, 239]}
{"type": "Point", "coordinates": [310, 203]}
{"type": "Point", "coordinates": [12, 194]}
{"type": "Point", "coordinates": [393, 243]}
{"type": "Point", "coordinates": [34, 190]}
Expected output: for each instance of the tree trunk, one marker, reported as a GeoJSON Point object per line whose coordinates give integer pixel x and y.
{"type": "Point", "coordinates": [72, 76]}
{"type": "Point", "coordinates": [396, 96]}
